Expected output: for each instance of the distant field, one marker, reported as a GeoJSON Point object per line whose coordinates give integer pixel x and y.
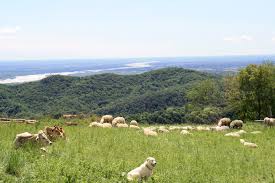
{"type": "Point", "coordinates": [102, 155]}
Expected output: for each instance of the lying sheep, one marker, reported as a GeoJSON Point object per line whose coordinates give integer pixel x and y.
{"type": "Point", "coordinates": [149, 132]}
{"type": "Point", "coordinates": [224, 122]}
{"type": "Point", "coordinates": [118, 120]}
{"type": "Point", "coordinates": [173, 128]}
{"type": "Point", "coordinates": [134, 127]}
{"type": "Point", "coordinates": [241, 132]}
{"type": "Point", "coordinates": [220, 128]}
{"type": "Point", "coordinates": [269, 121]}
{"type": "Point", "coordinates": [232, 134]}
{"type": "Point", "coordinates": [235, 134]}
{"type": "Point", "coordinates": [106, 125]}
{"type": "Point", "coordinates": [187, 128]}
{"type": "Point", "coordinates": [95, 124]}
{"type": "Point", "coordinates": [185, 132]}
{"type": "Point", "coordinates": [106, 119]}
{"type": "Point", "coordinates": [163, 130]}
{"type": "Point", "coordinates": [144, 171]}
{"type": "Point", "coordinates": [202, 128]}
{"type": "Point", "coordinates": [122, 125]}
{"type": "Point", "coordinates": [248, 144]}
{"type": "Point", "coordinates": [236, 124]}
{"type": "Point", "coordinates": [134, 122]}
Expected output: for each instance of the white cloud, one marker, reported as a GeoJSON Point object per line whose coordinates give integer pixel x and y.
{"type": "Point", "coordinates": [9, 30]}
{"type": "Point", "coordinates": [242, 38]}
{"type": "Point", "coordinates": [246, 38]}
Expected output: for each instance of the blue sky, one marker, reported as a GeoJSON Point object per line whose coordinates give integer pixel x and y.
{"type": "Point", "coordinates": [36, 29]}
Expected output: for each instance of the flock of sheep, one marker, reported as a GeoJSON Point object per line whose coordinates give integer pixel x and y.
{"type": "Point", "coordinates": [107, 121]}
{"type": "Point", "coordinates": [144, 171]}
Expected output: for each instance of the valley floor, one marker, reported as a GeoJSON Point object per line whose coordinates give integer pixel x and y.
{"type": "Point", "coordinates": [105, 155]}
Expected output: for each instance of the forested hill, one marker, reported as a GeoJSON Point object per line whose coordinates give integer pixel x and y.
{"type": "Point", "coordinates": [126, 95]}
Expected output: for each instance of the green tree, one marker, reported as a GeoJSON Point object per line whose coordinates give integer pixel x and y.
{"type": "Point", "coordinates": [256, 84]}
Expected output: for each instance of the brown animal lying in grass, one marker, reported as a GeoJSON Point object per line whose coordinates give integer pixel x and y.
{"type": "Point", "coordinates": [54, 132]}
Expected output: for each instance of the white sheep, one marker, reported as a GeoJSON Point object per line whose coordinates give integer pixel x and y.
{"type": "Point", "coordinates": [269, 121]}
{"type": "Point", "coordinates": [95, 124]}
{"type": "Point", "coordinates": [134, 122]}
{"type": "Point", "coordinates": [202, 128]}
{"type": "Point", "coordinates": [106, 125]}
{"type": "Point", "coordinates": [118, 120]}
{"type": "Point", "coordinates": [163, 130]}
{"type": "Point", "coordinates": [173, 128]}
{"type": "Point", "coordinates": [149, 132]}
{"type": "Point", "coordinates": [119, 125]}
{"type": "Point", "coordinates": [134, 127]}
{"type": "Point", "coordinates": [236, 124]}
{"type": "Point", "coordinates": [248, 144]}
{"type": "Point", "coordinates": [240, 132]}
{"type": "Point", "coordinates": [106, 119]}
{"type": "Point", "coordinates": [187, 128]}
{"type": "Point", "coordinates": [232, 134]}
{"type": "Point", "coordinates": [220, 128]}
{"type": "Point", "coordinates": [185, 132]}
{"type": "Point", "coordinates": [224, 122]}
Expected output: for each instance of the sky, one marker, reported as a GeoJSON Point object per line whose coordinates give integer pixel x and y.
{"type": "Point", "coordinates": [58, 29]}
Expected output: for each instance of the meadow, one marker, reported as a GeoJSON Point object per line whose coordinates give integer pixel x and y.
{"type": "Point", "coordinates": [106, 155]}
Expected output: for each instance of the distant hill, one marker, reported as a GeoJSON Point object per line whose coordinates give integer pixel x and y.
{"type": "Point", "coordinates": [125, 95]}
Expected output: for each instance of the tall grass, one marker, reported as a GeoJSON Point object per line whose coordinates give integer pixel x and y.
{"type": "Point", "coordinates": [14, 164]}
{"type": "Point", "coordinates": [105, 155]}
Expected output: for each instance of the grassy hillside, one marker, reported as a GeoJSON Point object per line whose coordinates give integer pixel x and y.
{"type": "Point", "coordinates": [106, 93]}
{"type": "Point", "coordinates": [102, 155]}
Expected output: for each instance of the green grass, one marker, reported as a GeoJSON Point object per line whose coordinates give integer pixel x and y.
{"type": "Point", "coordinates": [102, 155]}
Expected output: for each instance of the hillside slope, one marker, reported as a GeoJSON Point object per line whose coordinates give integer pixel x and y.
{"type": "Point", "coordinates": [101, 94]}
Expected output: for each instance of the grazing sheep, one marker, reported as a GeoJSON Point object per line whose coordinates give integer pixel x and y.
{"type": "Point", "coordinates": [143, 172]}
{"type": "Point", "coordinates": [232, 134]}
{"type": "Point", "coordinates": [256, 132]}
{"type": "Point", "coordinates": [269, 121]}
{"type": "Point", "coordinates": [122, 125]}
{"type": "Point", "coordinates": [185, 132]}
{"type": "Point", "coordinates": [149, 132]}
{"type": "Point", "coordinates": [236, 124]}
{"type": "Point", "coordinates": [220, 128]}
{"type": "Point", "coordinates": [134, 122]}
{"type": "Point", "coordinates": [95, 124]}
{"type": "Point", "coordinates": [118, 120]}
{"type": "Point", "coordinates": [248, 144]}
{"type": "Point", "coordinates": [134, 127]}
{"type": "Point", "coordinates": [106, 119]}
{"type": "Point", "coordinates": [224, 122]}
{"type": "Point", "coordinates": [106, 125]}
